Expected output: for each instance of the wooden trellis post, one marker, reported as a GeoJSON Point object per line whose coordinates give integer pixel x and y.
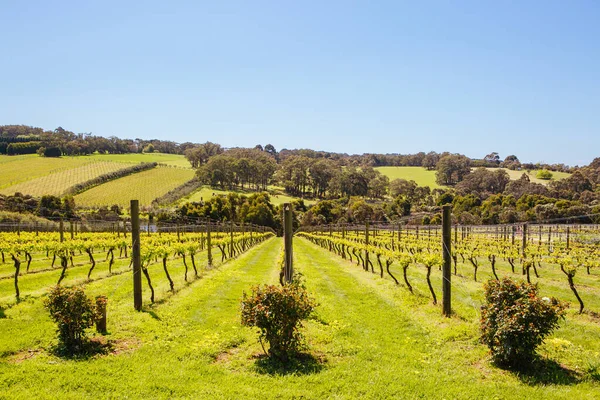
{"type": "Point", "coordinates": [288, 267]}
{"type": "Point", "coordinates": [447, 254]}
{"type": "Point", "coordinates": [136, 255]}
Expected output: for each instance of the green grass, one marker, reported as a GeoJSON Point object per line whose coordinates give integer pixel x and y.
{"type": "Point", "coordinates": [421, 176]}
{"type": "Point", "coordinates": [175, 160]}
{"type": "Point", "coordinates": [144, 186]}
{"type": "Point", "coordinates": [368, 339]}
{"type": "Point", "coordinates": [205, 193]}
{"type": "Point", "coordinates": [514, 175]}
{"type": "Point", "coordinates": [18, 169]}
{"type": "Point", "coordinates": [57, 183]}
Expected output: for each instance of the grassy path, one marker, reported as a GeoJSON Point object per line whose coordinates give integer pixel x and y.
{"type": "Point", "coordinates": [370, 339]}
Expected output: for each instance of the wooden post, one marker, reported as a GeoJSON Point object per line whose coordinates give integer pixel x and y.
{"type": "Point", "coordinates": [61, 228]}
{"type": "Point", "coordinates": [568, 236]}
{"type": "Point", "coordinates": [136, 254]}
{"type": "Point", "coordinates": [148, 226]}
{"type": "Point", "coordinates": [288, 267]}
{"type": "Point", "coordinates": [366, 244]}
{"type": "Point", "coordinates": [447, 267]}
{"type": "Point", "coordinates": [208, 245]}
{"type": "Point", "coordinates": [524, 239]}
{"type": "Point", "coordinates": [230, 238]}
{"type": "Point", "coordinates": [514, 229]}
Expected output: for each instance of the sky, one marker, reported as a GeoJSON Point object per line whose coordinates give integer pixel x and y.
{"type": "Point", "coordinates": [471, 77]}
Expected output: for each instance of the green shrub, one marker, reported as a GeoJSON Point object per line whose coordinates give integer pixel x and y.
{"type": "Point", "coordinates": [514, 320]}
{"type": "Point", "coordinates": [278, 311]}
{"type": "Point", "coordinates": [544, 174]}
{"type": "Point", "coordinates": [52, 152]}
{"type": "Point", "coordinates": [73, 312]}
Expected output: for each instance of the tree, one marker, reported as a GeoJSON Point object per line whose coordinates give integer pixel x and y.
{"type": "Point", "coordinates": [544, 174]}
{"type": "Point", "coordinates": [378, 186]}
{"type": "Point", "coordinates": [492, 158]}
{"type": "Point", "coordinates": [452, 169]}
{"type": "Point", "coordinates": [484, 181]}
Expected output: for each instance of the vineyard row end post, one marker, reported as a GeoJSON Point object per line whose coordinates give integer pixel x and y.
{"type": "Point", "coordinates": [288, 267]}
{"type": "Point", "coordinates": [136, 255]}
{"type": "Point", "coordinates": [447, 255]}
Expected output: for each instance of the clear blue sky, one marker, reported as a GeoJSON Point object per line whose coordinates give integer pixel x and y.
{"type": "Point", "coordinates": [516, 77]}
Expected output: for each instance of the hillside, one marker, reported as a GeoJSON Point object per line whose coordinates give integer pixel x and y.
{"type": "Point", "coordinates": [144, 186]}
{"type": "Point", "coordinates": [424, 177]}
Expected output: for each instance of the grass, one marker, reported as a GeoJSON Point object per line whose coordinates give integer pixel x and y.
{"type": "Point", "coordinates": [18, 169]}
{"type": "Point", "coordinates": [205, 193]}
{"type": "Point", "coordinates": [421, 176]}
{"type": "Point", "coordinates": [57, 183]}
{"type": "Point", "coordinates": [175, 160]}
{"type": "Point", "coordinates": [368, 339]}
{"type": "Point", "coordinates": [424, 177]}
{"type": "Point", "coordinates": [144, 186]}
{"type": "Point", "coordinates": [514, 175]}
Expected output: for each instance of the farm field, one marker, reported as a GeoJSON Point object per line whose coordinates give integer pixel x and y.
{"type": "Point", "coordinates": [205, 193]}
{"type": "Point", "coordinates": [369, 338]}
{"type": "Point", "coordinates": [420, 175]}
{"type": "Point", "coordinates": [514, 175]}
{"type": "Point", "coordinates": [423, 177]}
{"type": "Point", "coordinates": [145, 186]}
{"type": "Point", "coordinates": [57, 183]}
{"type": "Point", "coordinates": [175, 160]}
{"type": "Point", "coordinates": [17, 169]}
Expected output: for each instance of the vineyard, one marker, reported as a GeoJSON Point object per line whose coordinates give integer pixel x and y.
{"type": "Point", "coordinates": [565, 261]}
{"type": "Point", "coordinates": [59, 182]}
{"type": "Point", "coordinates": [33, 261]}
{"type": "Point", "coordinates": [145, 186]}
{"type": "Point", "coordinates": [188, 342]}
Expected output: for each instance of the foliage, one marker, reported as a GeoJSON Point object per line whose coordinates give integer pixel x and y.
{"type": "Point", "coordinates": [544, 174]}
{"type": "Point", "coordinates": [515, 321]}
{"type": "Point", "coordinates": [52, 152]}
{"type": "Point", "coordinates": [73, 312]}
{"type": "Point", "coordinates": [452, 168]}
{"type": "Point", "coordinates": [278, 312]}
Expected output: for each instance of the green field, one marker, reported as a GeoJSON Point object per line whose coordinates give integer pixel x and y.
{"type": "Point", "coordinates": [176, 160]}
{"type": "Point", "coordinates": [57, 183]}
{"type": "Point", "coordinates": [423, 177]}
{"type": "Point", "coordinates": [144, 186]}
{"type": "Point", "coordinates": [514, 175]}
{"type": "Point", "coordinates": [420, 175]}
{"type": "Point", "coordinates": [368, 339]}
{"type": "Point", "coordinates": [18, 169]}
{"type": "Point", "coordinates": [205, 193]}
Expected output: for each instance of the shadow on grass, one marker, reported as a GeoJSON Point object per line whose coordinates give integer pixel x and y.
{"type": "Point", "coordinates": [88, 349]}
{"type": "Point", "coordinates": [152, 313]}
{"type": "Point", "coordinates": [543, 371]}
{"type": "Point", "coordinates": [301, 364]}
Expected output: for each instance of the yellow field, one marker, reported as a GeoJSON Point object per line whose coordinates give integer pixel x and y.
{"type": "Point", "coordinates": [175, 160]}
{"type": "Point", "coordinates": [17, 169]}
{"type": "Point", "coordinates": [57, 183]}
{"type": "Point", "coordinates": [144, 186]}
{"type": "Point", "coordinates": [205, 193]}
